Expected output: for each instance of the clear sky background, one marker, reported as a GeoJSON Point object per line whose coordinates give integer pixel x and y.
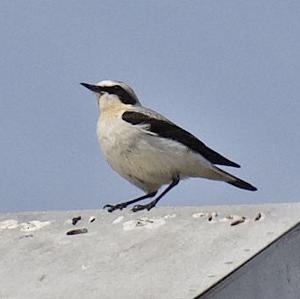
{"type": "Point", "coordinates": [228, 71]}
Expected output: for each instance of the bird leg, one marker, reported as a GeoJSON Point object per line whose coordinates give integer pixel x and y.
{"type": "Point", "coordinates": [153, 203]}
{"type": "Point", "coordinates": [121, 206]}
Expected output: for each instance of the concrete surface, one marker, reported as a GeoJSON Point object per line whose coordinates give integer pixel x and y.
{"type": "Point", "coordinates": [165, 253]}
{"type": "Point", "coordinates": [274, 273]}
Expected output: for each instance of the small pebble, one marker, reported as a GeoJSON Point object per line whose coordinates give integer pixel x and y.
{"type": "Point", "coordinates": [118, 219]}
{"type": "Point", "coordinates": [238, 221]}
{"type": "Point", "coordinates": [77, 231]}
{"type": "Point", "coordinates": [9, 224]}
{"type": "Point", "coordinates": [33, 225]}
{"type": "Point", "coordinates": [170, 216]}
{"type": "Point", "coordinates": [92, 219]}
{"type": "Point", "coordinates": [143, 221]}
{"type": "Point", "coordinates": [198, 215]}
{"type": "Point", "coordinates": [26, 236]}
{"type": "Point", "coordinates": [75, 220]}
{"type": "Point", "coordinates": [258, 216]}
{"type": "Point", "coordinates": [211, 216]}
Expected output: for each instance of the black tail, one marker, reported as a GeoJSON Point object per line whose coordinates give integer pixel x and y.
{"type": "Point", "coordinates": [237, 182]}
{"type": "Point", "coordinates": [242, 184]}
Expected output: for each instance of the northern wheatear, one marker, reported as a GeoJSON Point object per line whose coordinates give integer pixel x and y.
{"type": "Point", "coordinates": [147, 149]}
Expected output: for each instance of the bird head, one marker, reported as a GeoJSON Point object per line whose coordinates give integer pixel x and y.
{"type": "Point", "coordinates": [111, 92]}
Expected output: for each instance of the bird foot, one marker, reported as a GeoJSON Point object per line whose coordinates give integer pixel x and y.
{"type": "Point", "coordinates": [111, 208]}
{"type": "Point", "coordinates": [148, 207]}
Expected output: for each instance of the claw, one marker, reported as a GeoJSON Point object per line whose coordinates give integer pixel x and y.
{"type": "Point", "coordinates": [111, 208]}
{"type": "Point", "coordinates": [107, 206]}
{"type": "Point", "coordinates": [148, 207]}
{"type": "Point", "coordinates": [137, 208]}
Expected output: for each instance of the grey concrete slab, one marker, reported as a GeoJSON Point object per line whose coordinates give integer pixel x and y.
{"type": "Point", "coordinates": [165, 253]}
{"type": "Point", "coordinates": [274, 273]}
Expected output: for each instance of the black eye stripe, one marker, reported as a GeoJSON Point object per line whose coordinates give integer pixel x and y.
{"type": "Point", "coordinates": [123, 94]}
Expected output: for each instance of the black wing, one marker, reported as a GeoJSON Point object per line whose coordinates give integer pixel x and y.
{"type": "Point", "coordinates": [169, 130]}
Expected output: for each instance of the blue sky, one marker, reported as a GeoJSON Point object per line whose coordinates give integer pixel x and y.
{"type": "Point", "coordinates": [228, 71]}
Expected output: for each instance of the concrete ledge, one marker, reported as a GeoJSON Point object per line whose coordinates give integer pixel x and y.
{"type": "Point", "coordinates": [274, 272]}
{"type": "Point", "coordinates": [178, 252]}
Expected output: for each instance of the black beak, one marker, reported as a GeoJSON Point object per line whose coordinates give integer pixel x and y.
{"type": "Point", "coordinates": [91, 87]}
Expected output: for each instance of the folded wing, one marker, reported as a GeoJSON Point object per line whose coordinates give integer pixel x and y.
{"type": "Point", "coordinates": [166, 129]}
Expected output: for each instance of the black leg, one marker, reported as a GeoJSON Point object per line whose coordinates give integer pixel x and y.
{"type": "Point", "coordinates": [153, 203]}
{"type": "Point", "coordinates": [120, 206]}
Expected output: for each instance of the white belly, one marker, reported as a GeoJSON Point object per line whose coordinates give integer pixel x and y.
{"type": "Point", "coordinates": [147, 161]}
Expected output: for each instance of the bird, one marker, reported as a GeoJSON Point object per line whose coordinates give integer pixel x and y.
{"type": "Point", "coordinates": [148, 150]}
